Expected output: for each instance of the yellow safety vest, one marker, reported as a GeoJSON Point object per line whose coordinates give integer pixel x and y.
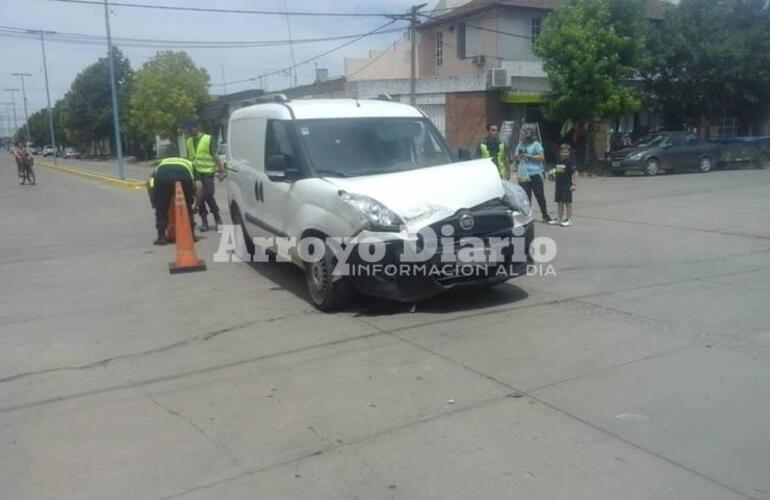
{"type": "Point", "coordinates": [499, 161]}
{"type": "Point", "coordinates": [177, 162]}
{"type": "Point", "coordinates": [200, 157]}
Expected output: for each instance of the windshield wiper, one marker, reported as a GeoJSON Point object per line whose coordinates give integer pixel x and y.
{"type": "Point", "coordinates": [331, 171]}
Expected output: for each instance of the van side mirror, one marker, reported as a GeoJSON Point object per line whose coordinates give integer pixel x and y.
{"type": "Point", "coordinates": [463, 155]}
{"type": "Point", "coordinates": [280, 168]}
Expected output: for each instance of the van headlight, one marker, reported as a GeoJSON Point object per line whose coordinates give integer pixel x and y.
{"type": "Point", "coordinates": [636, 156]}
{"type": "Point", "coordinates": [380, 217]}
{"type": "Point", "coordinates": [517, 200]}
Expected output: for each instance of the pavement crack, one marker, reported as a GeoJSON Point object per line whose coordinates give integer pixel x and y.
{"type": "Point", "coordinates": [221, 447]}
{"type": "Point", "coordinates": [680, 228]}
{"type": "Point", "coordinates": [203, 337]}
{"type": "Point", "coordinates": [335, 446]}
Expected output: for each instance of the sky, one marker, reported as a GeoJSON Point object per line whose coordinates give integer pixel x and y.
{"type": "Point", "coordinates": [65, 61]}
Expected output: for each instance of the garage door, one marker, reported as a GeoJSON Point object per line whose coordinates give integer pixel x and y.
{"type": "Point", "coordinates": [437, 114]}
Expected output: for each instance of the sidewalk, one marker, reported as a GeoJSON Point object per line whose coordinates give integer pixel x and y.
{"type": "Point", "coordinates": [133, 170]}
{"type": "Point", "coordinates": [136, 173]}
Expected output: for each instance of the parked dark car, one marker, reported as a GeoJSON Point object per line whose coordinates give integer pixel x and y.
{"type": "Point", "coordinates": [743, 151]}
{"type": "Point", "coordinates": [664, 152]}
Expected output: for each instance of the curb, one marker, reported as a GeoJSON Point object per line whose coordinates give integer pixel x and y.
{"type": "Point", "coordinates": [124, 183]}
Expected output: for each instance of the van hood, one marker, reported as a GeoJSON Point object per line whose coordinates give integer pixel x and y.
{"type": "Point", "coordinates": [427, 195]}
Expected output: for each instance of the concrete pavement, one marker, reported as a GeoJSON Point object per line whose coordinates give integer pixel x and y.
{"type": "Point", "coordinates": [640, 371]}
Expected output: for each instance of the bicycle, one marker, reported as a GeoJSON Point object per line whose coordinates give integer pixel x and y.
{"type": "Point", "coordinates": [26, 173]}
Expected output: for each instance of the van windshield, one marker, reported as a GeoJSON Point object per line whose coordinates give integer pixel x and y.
{"type": "Point", "coordinates": [349, 147]}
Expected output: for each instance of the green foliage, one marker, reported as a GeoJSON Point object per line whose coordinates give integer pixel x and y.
{"type": "Point", "coordinates": [86, 113]}
{"type": "Point", "coordinates": [711, 57]}
{"type": "Point", "coordinates": [167, 91]}
{"type": "Point", "coordinates": [590, 49]}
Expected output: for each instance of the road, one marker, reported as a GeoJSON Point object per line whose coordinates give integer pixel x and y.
{"type": "Point", "coordinates": [639, 371]}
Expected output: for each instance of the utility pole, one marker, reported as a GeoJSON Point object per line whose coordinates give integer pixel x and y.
{"type": "Point", "coordinates": [222, 69]}
{"type": "Point", "coordinates": [291, 43]}
{"type": "Point", "coordinates": [24, 96]}
{"type": "Point", "coordinates": [411, 16]}
{"type": "Point", "coordinates": [7, 105]}
{"type": "Point", "coordinates": [47, 90]}
{"type": "Point", "coordinates": [13, 103]}
{"type": "Point", "coordinates": [115, 115]}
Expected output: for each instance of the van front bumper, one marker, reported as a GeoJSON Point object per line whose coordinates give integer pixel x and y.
{"type": "Point", "coordinates": [413, 281]}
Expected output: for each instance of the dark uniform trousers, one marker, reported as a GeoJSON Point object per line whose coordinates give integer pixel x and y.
{"type": "Point", "coordinates": [208, 196]}
{"type": "Point", "coordinates": [164, 191]}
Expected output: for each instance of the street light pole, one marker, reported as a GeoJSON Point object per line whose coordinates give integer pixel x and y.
{"type": "Point", "coordinates": [115, 115]}
{"type": "Point", "coordinates": [411, 16]}
{"type": "Point", "coordinates": [47, 91]}
{"type": "Point", "coordinates": [24, 96]}
{"type": "Point", "coordinates": [13, 103]}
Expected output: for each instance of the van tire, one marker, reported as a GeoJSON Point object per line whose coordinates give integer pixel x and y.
{"type": "Point", "coordinates": [326, 294]}
{"type": "Point", "coordinates": [235, 216]}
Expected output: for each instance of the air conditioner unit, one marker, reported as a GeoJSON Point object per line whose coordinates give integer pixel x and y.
{"type": "Point", "coordinates": [497, 78]}
{"type": "Point", "coordinates": [479, 60]}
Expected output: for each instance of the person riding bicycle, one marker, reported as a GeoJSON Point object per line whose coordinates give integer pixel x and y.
{"type": "Point", "coordinates": [24, 160]}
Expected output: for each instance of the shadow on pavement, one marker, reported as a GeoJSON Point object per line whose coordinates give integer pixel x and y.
{"type": "Point", "coordinates": [289, 277]}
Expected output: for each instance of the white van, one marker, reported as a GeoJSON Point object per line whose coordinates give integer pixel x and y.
{"type": "Point", "coordinates": [346, 188]}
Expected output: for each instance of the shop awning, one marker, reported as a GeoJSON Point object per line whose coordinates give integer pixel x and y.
{"type": "Point", "coordinates": [522, 98]}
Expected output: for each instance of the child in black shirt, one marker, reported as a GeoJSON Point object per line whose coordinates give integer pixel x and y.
{"type": "Point", "coordinates": [565, 185]}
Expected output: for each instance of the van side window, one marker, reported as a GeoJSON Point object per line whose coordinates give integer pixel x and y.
{"type": "Point", "coordinates": [277, 141]}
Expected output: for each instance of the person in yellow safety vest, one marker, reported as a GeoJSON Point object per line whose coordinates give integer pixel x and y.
{"type": "Point", "coordinates": [202, 152]}
{"type": "Point", "coordinates": [492, 147]}
{"type": "Point", "coordinates": [161, 188]}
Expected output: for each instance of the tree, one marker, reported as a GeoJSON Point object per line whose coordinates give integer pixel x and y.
{"type": "Point", "coordinates": [591, 49]}
{"type": "Point", "coordinates": [167, 91]}
{"type": "Point", "coordinates": [87, 109]}
{"type": "Point", "coordinates": [40, 128]}
{"type": "Point", "coordinates": [710, 58]}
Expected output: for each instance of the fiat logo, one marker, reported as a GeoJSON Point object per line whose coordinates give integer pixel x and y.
{"type": "Point", "coordinates": [466, 222]}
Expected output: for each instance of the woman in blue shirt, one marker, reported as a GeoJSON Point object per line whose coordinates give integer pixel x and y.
{"type": "Point", "coordinates": [529, 154]}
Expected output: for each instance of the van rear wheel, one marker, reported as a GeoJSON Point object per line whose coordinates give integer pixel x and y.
{"type": "Point", "coordinates": [327, 292]}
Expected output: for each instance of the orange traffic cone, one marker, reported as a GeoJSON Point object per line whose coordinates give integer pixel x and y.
{"type": "Point", "coordinates": [171, 229]}
{"type": "Point", "coordinates": [186, 256]}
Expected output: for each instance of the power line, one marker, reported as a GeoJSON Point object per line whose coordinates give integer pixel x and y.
{"type": "Point", "coordinates": [376, 31]}
{"type": "Point", "coordinates": [515, 35]}
{"type": "Point", "coordinates": [86, 39]}
{"type": "Point", "coordinates": [379, 56]}
{"type": "Point", "coordinates": [226, 11]}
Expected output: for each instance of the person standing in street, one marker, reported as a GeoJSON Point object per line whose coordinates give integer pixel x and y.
{"type": "Point", "coordinates": [492, 147]}
{"type": "Point", "coordinates": [565, 185]}
{"type": "Point", "coordinates": [202, 152]}
{"type": "Point", "coordinates": [530, 155]}
{"type": "Point", "coordinates": [161, 188]}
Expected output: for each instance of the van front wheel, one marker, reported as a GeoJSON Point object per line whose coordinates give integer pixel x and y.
{"type": "Point", "coordinates": [327, 292]}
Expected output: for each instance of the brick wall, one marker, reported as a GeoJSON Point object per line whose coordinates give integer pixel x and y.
{"type": "Point", "coordinates": [465, 119]}
{"type": "Point", "coordinates": [467, 116]}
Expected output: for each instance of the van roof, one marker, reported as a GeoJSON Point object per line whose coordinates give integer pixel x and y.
{"type": "Point", "coordinates": [308, 109]}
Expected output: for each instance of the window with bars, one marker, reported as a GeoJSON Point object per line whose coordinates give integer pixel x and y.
{"type": "Point", "coordinates": [537, 24]}
{"type": "Point", "coordinates": [439, 48]}
{"type": "Point", "coordinates": [728, 126]}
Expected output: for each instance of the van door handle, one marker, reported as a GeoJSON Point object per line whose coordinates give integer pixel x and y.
{"type": "Point", "coordinates": [262, 192]}
{"type": "Point", "coordinates": [258, 190]}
